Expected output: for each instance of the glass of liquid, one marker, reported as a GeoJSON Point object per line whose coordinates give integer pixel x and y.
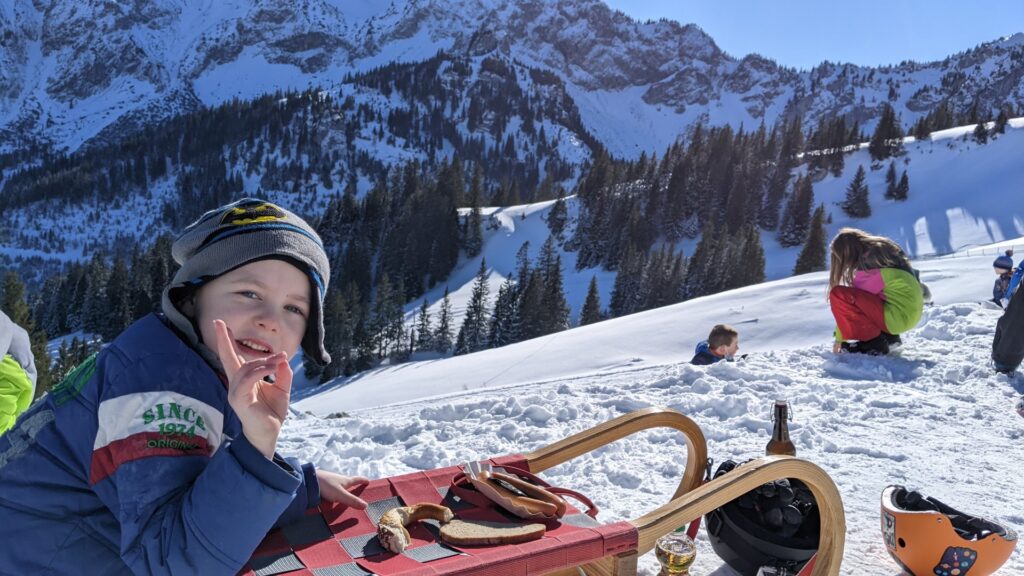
{"type": "Point", "coordinates": [676, 552]}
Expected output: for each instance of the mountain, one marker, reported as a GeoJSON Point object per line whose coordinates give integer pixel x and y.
{"type": "Point", "coordinates": [77, 72]}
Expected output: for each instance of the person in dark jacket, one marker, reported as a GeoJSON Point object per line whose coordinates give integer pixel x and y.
{"type": "Point", "coordinates": [1003, 267]}
{"type": "Point", "coordinates": [722, 344]}
{"type": "Point", "coordinates": [158, 455]}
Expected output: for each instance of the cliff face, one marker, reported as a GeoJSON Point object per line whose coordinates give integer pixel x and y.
{"type": "Point", "coordinates": [71, 70]}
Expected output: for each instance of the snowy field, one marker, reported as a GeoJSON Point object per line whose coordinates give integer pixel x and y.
{"type": "Point", "coordinates": [932, 416]}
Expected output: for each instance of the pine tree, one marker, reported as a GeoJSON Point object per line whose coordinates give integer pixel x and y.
{"type": "Point", "coordinates": [797, 218]}
{"type": "Point", "coordinates": [557, 217]}
{"type": "Point", "coordinates": [95, 309]}
{"type": "Point", "coordinates": [980, 133]}
{"type": "Point", "coordinates": [999, 127]}
{"type": "Point", "coordinates": [474, 227]}
{"type": "Point", "coordinates": [812, 257]}
{"type": "Point", "coordinates": [523, 265]}
{"type": "Point", "coordinates": [443, 332]}
{"type": "Point", "coordinates": [903, 188]}
{"type": "Point", "coordinates": [473, 333]}
{"type": "Point", "coordinates": [887, 138]}
{"type": "Point", "coordinates": [424, 331]}
{"type": "Point", "coordinates": [531, 310]}
{"type": "Point", "coordinates": [556, 310]}
{"type": "Point", "coordinates": [591, 312]}
{"type": "Point", "coordinates": [890, 181]}
{"type": "Point", "coordinates": [856, 204]}
{"type": "Point", "coordinates": [504, 327]}
{"type": "Point", "coordinates": [118, 303]}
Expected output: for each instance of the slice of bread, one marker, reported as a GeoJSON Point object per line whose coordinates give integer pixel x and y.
{"type": "Point", "coordinates": [482, 532]}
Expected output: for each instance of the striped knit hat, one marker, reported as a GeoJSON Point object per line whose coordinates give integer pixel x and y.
{"type": "Point", "coordinates": [237, 234]}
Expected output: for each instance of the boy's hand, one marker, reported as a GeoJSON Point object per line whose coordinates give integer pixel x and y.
{"type": "Point", "coordinates": [260, 405]}
{"type": "Point", "coordinates": [335, 488]}
{"type": "Point", "coordinates": [837, 348]}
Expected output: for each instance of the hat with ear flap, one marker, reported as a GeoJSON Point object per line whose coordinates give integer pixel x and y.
{"type": "Point", "coordinates": [239, 233]}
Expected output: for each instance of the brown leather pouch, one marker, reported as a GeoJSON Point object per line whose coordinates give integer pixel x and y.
{"type": "Point", "coordinates": [515, 490]}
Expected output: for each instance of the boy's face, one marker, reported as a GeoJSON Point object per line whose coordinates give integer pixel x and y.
{"type": "Point", "coordinates": [728, 350]}
{"type": "Point", "coordinates": [1001, 271]}
{"type": "Point", "coordinates": [265, 305]}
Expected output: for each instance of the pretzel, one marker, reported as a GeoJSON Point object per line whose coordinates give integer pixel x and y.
{"type": "Point", "coordinates": [391, 530]}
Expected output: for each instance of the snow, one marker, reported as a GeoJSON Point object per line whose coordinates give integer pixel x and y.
{"type": "Point", "coordinates": [932, 415]}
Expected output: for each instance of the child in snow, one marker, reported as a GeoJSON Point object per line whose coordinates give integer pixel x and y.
{"type": "Point", "coordinates": [873, 291]}
{"type": "Point", "coordinates": [722, 344]}
{"type": "Point", "coordinates": [1008, 343]}
{"type": "Point", "coordinates": [1003, 267]}
{"type": "Point", "coordinates": [158, 454]}
{"type": "Point", "coordinates": [17, 372]}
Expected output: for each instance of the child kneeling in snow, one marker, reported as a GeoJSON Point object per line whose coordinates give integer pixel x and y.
{"type": "Point", "coordinates": [158, 454]}
{"type": "Point", "coordinates": [874, 292]}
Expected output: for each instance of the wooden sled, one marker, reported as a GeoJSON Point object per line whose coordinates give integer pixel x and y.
{"type": "Point", "coordinates": [599, 550]}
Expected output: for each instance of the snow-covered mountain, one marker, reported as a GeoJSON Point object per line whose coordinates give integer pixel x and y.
{"type": "Point", "coordinates": [74, 71]}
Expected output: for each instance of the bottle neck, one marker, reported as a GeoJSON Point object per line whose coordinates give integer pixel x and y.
{"type": "Point", "coordinates": [781, 430]}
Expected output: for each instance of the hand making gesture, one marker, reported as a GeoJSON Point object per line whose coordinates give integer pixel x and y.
{"type": "Point", "coordinates": [262, 406]}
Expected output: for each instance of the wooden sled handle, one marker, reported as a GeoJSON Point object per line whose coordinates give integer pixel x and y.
{"type": "Point", "coordinates": [692, 499]}
{"type": "Point", "coordinates": [589, 440]}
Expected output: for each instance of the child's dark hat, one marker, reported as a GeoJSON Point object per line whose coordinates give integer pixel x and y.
{"type": "Point", "coordinates": [246, 231]}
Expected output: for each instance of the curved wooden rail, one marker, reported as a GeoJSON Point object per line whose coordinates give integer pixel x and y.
{"type": "Point", "coordinates": [593, 438]}
{"type": "Point", "coordinates": [744, 479]}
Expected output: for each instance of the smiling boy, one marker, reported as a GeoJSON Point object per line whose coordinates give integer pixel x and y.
{"type": "Point", "coordinates": [158, 454]}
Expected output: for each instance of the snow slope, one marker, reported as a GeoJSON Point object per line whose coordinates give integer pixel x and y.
{"type": "Point", "coordinates": [932, 415]}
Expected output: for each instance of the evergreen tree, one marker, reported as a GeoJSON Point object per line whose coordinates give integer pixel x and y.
{"type": "Point", "coordinates": [95, 306]}
{"type": "Point", "coordinates": [531, 310]}
{"type": "Point", "coordinates": [626, 295]}
{"type": "Point", "coordinates": [856, 204]}
{"type": "Point", "coordinates": [473, 333]}
{"type": "Point", "coordinates": [557, 217]}
{"type": "Point", "coordinates": [474, 226]}
{"type": "Point", "coordinates": [999, 127]}
{"type": "Point", "coordinates": [887, 138]}
{"type": "Point", "coordinates": [443, 332]}
{"type": "Point", "coordinates": [797, 218]}
{"type": "Point", "coordinates": [591, 312]}
{"type": "Point", "coordinates": [424, 331]}
{"type": "Point", "coordinates": [118, 301]}
{"type": "Point", "coordinates": [812, 257]}
{"type": "Point", "coordinates": [903, 188]}
{"type": "Point", "coordinates": [523, 265]}
{"type": "Point", "coordinates": [504, 327]}
{"type": "Point", "coordinates": [980, 133]}
{"type": "Point", "coordinates": [890, 181]}
{"type": "Point", "coordinates": [556, 310]}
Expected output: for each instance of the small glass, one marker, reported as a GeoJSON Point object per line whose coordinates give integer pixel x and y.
{"type": "Point", "coordinates": [676, 552]}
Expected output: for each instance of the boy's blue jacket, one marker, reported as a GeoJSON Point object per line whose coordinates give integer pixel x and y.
{"type": "Point", "coordinates": [136, 464]}
{"type": "Point", "coordinates": [703, 356]}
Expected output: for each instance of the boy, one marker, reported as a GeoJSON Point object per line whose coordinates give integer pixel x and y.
{"type": "Point", "coordinates": [157, 454]}
{"type": "Point", "coordinates": [17, 372]}
{"type": "Point", "coordinates": [723, 342]}
{"type": "Point", "coordinates": [1003, 267]}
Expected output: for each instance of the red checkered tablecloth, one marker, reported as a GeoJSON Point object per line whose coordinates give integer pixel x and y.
{"type": "Point", "coordinates": [340, 541]}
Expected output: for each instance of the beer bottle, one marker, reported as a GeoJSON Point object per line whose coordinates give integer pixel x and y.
{"type": "Point", "coordinates": [780, 444]}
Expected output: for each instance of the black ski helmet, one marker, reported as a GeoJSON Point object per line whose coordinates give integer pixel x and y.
{"type": "Point", "coordinates": [747, 533]}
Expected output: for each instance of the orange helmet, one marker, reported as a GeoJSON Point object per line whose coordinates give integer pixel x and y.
{"type": "Point", "coordinates": [929, 538]}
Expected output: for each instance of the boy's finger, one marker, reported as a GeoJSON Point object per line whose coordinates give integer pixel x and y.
{"type": "Point", "coordinates": [226, 348]}
{"type": "Point", "coordinates": [283, 374]}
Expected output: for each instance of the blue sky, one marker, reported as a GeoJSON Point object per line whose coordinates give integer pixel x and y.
{"type": "Point", "coordinates": [802, 33]}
